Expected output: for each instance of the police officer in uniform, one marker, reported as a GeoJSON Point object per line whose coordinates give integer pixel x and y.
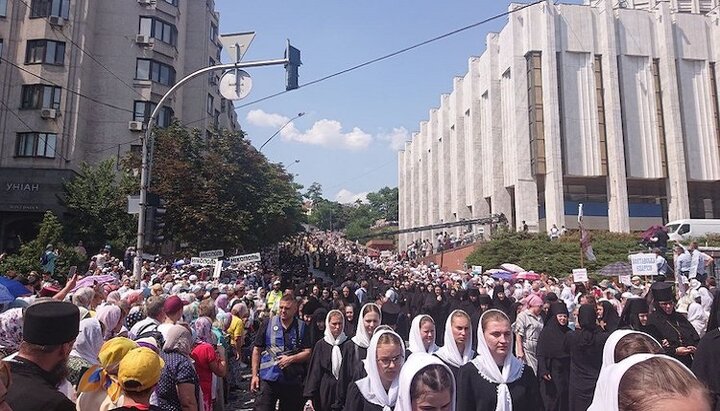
{"type": "Point", "coordinates": [280, 353]}
{"type": "Point", "coordinates": [49, 331]}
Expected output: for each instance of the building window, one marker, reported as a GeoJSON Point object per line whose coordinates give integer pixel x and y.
{"type": "Point", "coordinates": [143, 109]}
{"type": "Point", "coordinates": [659, 115]}
{"type": "Point", "coordinates": [158, 29]}
{"type": "Point", "coordinates": [45, 51]}
{"type": "Point", "coordinates": [3, 8]}
{"type": "Point", "coordinates": [602, 131]}
{"type": "Point", "coordinates": [715, 103]}
{"type": "Point", "coordinates": [210, 102]}
{"type": "Point", "coordinates": [173, 2]}
{"type": "Point", "coordinates": [213, 32]}
{"type": "Point", "coordinates": [36, 96]}
{"type": "Point", "coordinates": [147, 69]}
{"type": "Point", "coordinates": [47, 8]}
{"type": "Point", "coordinates": [535, 112]}
{"type": "Point", "coordinates": [41, 145]}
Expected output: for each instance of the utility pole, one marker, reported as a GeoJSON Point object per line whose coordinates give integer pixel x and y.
{"type": "Point", "coordinates": [290, 61]}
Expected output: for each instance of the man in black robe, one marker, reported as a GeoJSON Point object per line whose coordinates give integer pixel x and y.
{"type": "Point", "coordinates": [49, 331]}
{"type": "Point", "coordinates": [678, 336]}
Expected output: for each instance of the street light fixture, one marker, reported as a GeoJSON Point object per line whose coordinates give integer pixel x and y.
{"type": "Point", "coordinates": [281, 129]}
{"type": "Point", "coordinates": [291, 164]}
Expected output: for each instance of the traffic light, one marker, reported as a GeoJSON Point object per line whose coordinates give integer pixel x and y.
{"type": "Point", "coordinates": [291, 67]}
{"type": "Point", "coordinates": [159, 225]}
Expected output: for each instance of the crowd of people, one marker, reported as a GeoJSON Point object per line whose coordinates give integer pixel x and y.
{"type": "Point", "coordinates": [321, 325]}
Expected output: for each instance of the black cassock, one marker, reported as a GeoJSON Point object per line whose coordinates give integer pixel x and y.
{"type": "Point", "coordinates": [351, 369]}
{"type": "Point", "coordinates": [475, 393]}
{"type": "Point", "coordinates": [554, 361]}
{"type": "Point", "coordinates": [706, 364]}
{"type": "Point", "coordinates": [678, 332]}
{"type": "Point", "coordinates": [585, 364]}
{"type": "Point", "coordinates": [320, 383]}
{"type": "Point", "coordinates": [356, 402]}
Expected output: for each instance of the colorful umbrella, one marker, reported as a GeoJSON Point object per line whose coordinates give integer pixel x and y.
{"type": "Point", "coordinates": [513, 268]}
{"type": "Point", "coordinates": [500, 274]}
{"type": "Point", "coordinates": [90, 281]}
{"type": "Point", "coordinates": [616, 269]}
{"type": "Point", "coordinates": [527, 275]}
{"type": "Point", "coordinates": [14, 287]}
{"type": "Point", "coordinates": [5, 295]}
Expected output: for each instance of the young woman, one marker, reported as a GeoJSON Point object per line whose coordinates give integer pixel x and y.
{"type": "Point", "coordinates": [356, 350]}
{"type": "Point", "coordinates": [425, 384]}
{"type": "Point", "coordinates": [553, 360]}
{"type": "Point", "coordinates": [457, 350]}
{"type": "Point", "coordinates": [422, 335]}
{"type": "Point", "coordinates": [324, 369]}
{"type": "Point", "coordinates": [635, 317]}
{"type": "Point", "coordinates": [504, 383]}
{"type": "Point", "coordinates": [378, 391]}
{"type": "Point", "coordinates": [650, 382]}
{"type": "Point", "coordinates": [607, 316]}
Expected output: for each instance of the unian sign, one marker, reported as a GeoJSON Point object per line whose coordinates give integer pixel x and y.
{"type": "Point", "coordinates": [22, 187]}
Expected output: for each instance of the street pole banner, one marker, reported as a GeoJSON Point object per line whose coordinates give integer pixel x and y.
{"type": "Point", "coordinates": [580, 275]}
{"type": "Point", "coordinates": [203, 261]}
{"type": "Point", "coordinates": [212, 254]}
{"type": "Point", "coordinates": [246, 258]}
{"type": "Point", "coordinates": [643, 264]}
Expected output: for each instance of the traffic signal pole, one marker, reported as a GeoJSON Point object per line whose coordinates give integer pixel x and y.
{"type": "Point", "coordinates": [146, 140]}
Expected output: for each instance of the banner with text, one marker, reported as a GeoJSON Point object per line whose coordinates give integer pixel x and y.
{"type": "Point", "coordinates": [580, 275]}
{"type": "Point", "coordinates": [203, 261]}
{"type": "Point", "coordinates": [211, 254]}
{"type": "Point", "coordinates": [245, 258]}
{"type": "Point", "coordinates": [643, 264]}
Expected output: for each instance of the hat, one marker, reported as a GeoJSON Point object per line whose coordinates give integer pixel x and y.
{"type": "Point", "coordinates": [662, 292]}
{"type": "Point", "coordinates": [51, 323]}
{"type": "Point", "coordinates": [635, 278]}
{"type": "Point", "coordinates": [173, 304]}
{"type": "Point", "coordinates": [604, 283]}
{"type": "Point", "coordinates": [695, 284]}
{"type": "Point", "coordinates": [193, 277]}
{"type": "Point", "coordinates": [140, 370]}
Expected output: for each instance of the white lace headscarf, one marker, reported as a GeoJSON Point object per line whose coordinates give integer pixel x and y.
{"type": "Point", "coordinates": [416, 343]}
{"type": "Point", "coordinates": [362, 338]}
{"type": "Point", "coordinates": [335, 342]}
{"type": "Point", "coordinates": [449, 352]}
{"type": "Point", "coordinates": [371, 387]}
{"type": "Point", "coordinates": [416, 363]}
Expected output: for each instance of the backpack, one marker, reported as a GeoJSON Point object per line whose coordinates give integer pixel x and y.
{"type": "Point", "coordinates": [150, 330]}
{"type": "Point", "coordinates": [44, 259]}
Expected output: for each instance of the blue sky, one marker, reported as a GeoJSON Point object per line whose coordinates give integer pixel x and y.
{"type": "Point", "coordinates": [347, 140]}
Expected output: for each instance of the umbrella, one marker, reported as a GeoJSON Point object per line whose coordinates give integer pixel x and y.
{"type": "Point", "coordinates": [527, 275]}
{"type": "Point", "coordinates": [513, 268]}
{"type": "Point", "coordinates": [500, 274]}
{"type": "Point", "coordinates": [90, 281]}
{"type": "Point", "coordinates": [616, 269]}
{"type": "Point", "coordinates": [5, 295]}
{"type": "Point", "coordinates": [14, 287]}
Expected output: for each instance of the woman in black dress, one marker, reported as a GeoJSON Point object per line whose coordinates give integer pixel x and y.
{"type": "Point", "coordinates": [677, 335]}
{"type": "Point", "coordinates": [607, 316]}
{"type": "Point", "coordinates": [553, 360]}
{"type": "Point", "coordinates": [324, 369]}
{"type": "Point", "coordinates": [635, 317]}
{"type": "Point", "coordinates": [496, 379]}
{"type": "Point", "coordinates": [707, 355]}
{"type": "Point", "coordinates": [378, 391]}
{"type": "Point", "coordinates": [586, 349]}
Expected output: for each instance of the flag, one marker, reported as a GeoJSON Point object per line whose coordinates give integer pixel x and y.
{"type": "Point", "coordinates": [585, 237]}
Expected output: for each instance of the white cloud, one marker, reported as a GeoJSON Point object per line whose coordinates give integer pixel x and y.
{"type": "Point", "coordinates": [396, 138]}
{"type": "Point", "coordinates": [260, 118]}
{"type": "Point", "coordinates": [345, 196]}
{"type": "Point", "coordinates": [326, 133]}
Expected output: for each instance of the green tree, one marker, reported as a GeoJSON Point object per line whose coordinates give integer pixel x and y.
{"type": "Point", "coordinates": [96, 200]}
{"type": "Point", "coordinates": [314, 192]}
{"type": "Point", "coordinates": [384, 203]}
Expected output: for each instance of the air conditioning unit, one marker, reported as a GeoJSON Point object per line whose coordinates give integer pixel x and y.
{"type": "Point", "coordinates": [48, 113]}
{"type": "Point", "coordinates": [143, 39]}
{"type": "Point", "coordinates": [56, 21]}
{"type": "Point", "coordinates": [136, 126]}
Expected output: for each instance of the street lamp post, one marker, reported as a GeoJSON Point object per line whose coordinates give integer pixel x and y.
{"type": "Point", "coordinates": [281, 129]}
{"type": "Point", "coordinates": [144, 176]}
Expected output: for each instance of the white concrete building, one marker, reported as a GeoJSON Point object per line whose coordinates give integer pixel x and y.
{"type": "Point", "coordinates": [78, 79]}
{"type": "Point", "coordinates": [610, 104]}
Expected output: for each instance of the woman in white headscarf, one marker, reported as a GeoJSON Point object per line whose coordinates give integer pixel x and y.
{"type": "Point", "coordinates": [356, 350]}
{"type": "Point", "coordinates": [85, 350]}
{"type": "Point", "coordinates": [324, 369]}
{"type": "Point", "coordinates": [378, 391]}
{"type": "Point", "coordinates": [457, 350]}
{"type": "Point", "coordinates": [649, 382]}
{"type": "Point", "coordinates": [422, 335]}
{"type": "Point", "coordinates": [426, 383]}
{"type": "Point", "coordinates": [504, 383]}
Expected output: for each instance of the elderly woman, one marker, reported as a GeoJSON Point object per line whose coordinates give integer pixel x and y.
{"type": "Point", "coordinates": [111, 316]}
{"type": "Point", "coordinates": [179, 385]}
{"type": "Point", "coordinates": [95, 389]}
{"type": "Point", "coordinates": [209, 359]}
{"type": "Point", "coordinates": [85, 349]}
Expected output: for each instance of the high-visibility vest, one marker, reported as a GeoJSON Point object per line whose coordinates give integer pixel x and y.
{"type": "Point", "coordinates": [275, 345]}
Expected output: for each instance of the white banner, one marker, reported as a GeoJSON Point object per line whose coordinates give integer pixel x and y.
{"type": "Point", "coordinates": [245, 258]}
{"type": "Point", "coordinates": [203, 261]}
{"type": "Point", "coordinates": [580, 275]}
{"type": "Point", "coordinates": [625, 279]}
{"type": "Point", "coordinates": [643, 264]}
{"type": "Point", "coordinates": [211, 254]}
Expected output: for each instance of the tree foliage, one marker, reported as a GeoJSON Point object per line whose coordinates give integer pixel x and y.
{"type": "Point", "coordinates": [96, 200]}
{"type": "Point", "coordinates": [220, 192]}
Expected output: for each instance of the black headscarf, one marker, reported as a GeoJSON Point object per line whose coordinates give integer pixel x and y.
{"type": "Point", "coordinates": [633, 307]}
{"type": "Point", "coordinates": [504, 305]}
{"type": "Point", "coordinates": [713, 321]}
{"type": "Point", "coordinates": [550, 342]}
{"type": "Point", "coordinates": [610, 316]}
{"type": "Point", "coordinates": [587, 320]}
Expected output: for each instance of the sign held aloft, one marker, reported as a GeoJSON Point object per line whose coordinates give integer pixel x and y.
{"type": "Point", "coordinates": [203, 261]}
{"type": "Point", "coordinates": [245, 258]}
{"type": "Point", "coordinates": [211, 254]}
{"type": "Point", "coordinates": [643, 264]}
{"type": "Point", "coordinates": [580, 275]}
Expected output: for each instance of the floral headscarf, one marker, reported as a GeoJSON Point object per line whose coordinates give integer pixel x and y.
{"type": "Point", "coordinates": [178, 339]}
{"type": "Point", "coordinates": [203, 331]}
{"type": "Point", "coordinates": [110, 316]}
{"type": "Point", "coordinates": [11, 329]}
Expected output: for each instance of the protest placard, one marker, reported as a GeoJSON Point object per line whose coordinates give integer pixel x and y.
{"type": "Point", "coordinates": [245, 258]}
{"type": "Point", "coordinates": [211, 254]}
{"type": "Point", "coordinates": [643, 264]}
{"type": "Point", "coordinates": [203, 261]}
{"type": "Point", "coordinates": [580, 275]}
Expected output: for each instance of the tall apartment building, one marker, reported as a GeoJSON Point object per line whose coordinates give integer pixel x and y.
{"type": "Point", "coordinates": [78, 79]}
{"type": "Point", "coordinates": [613, 104]}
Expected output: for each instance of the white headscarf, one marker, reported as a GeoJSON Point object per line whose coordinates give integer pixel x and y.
{"type": "Point", "coordinates": [335, 342]}
{"type": "Point", "coordinates": [415, 364]}
{"type": "Point", "coordinates": [89, 341]}
{"type": "Point", "coordinates": [449, 352]}
{"type": "Point", "coordinates": [371, 386]}
{"type": "Point", "coordinates": [607, 388]}
{"type": "Point", "coordinates": [416, 344]}
{"type": "Point", "coordinates": [512, 368]}
{"type": "Point", "coordinates": [611, 343]}
{"type": "Point", "coordinates": [361, 337]}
